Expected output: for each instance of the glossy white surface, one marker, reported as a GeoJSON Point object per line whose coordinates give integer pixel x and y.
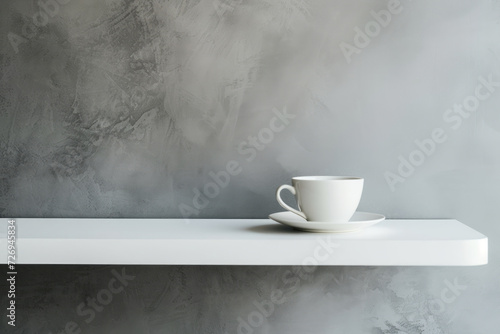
{"type": "Point", "coordinates": [358, 221]}
{"type": "Point", "coordinates": [393, 242]}
{"type": "Point", "coordinates": [324, 198]}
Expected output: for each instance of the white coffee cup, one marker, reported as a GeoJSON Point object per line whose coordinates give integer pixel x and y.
{"type": "Point", "coordinates": [324, 198]}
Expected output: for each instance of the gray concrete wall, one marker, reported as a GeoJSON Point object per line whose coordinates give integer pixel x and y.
{"type": "Point", "coordinates": [126, 108]}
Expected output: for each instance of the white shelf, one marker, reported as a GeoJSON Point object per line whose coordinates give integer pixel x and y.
{"type": "Point", "coordinates": [394, 242]}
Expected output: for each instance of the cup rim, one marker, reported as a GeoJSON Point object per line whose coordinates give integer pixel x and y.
{"type": "Point", "coordinates": [327, 178]}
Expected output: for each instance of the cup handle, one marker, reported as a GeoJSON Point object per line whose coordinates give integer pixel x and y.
{"type": "Point", "coordinates": [286, 206]}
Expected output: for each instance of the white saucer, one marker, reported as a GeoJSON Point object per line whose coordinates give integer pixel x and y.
{"type": "Point", "coordinates": [358, 221]}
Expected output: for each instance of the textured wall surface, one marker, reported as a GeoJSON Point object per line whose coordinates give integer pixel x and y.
{"type": "Point", "coordinates": [112, 108]}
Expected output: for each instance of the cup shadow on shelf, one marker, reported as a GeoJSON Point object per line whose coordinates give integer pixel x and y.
{"type": "Point", "coordinates": [272, 229]}
{"type": "Point", "coordinates": [378, 231]}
